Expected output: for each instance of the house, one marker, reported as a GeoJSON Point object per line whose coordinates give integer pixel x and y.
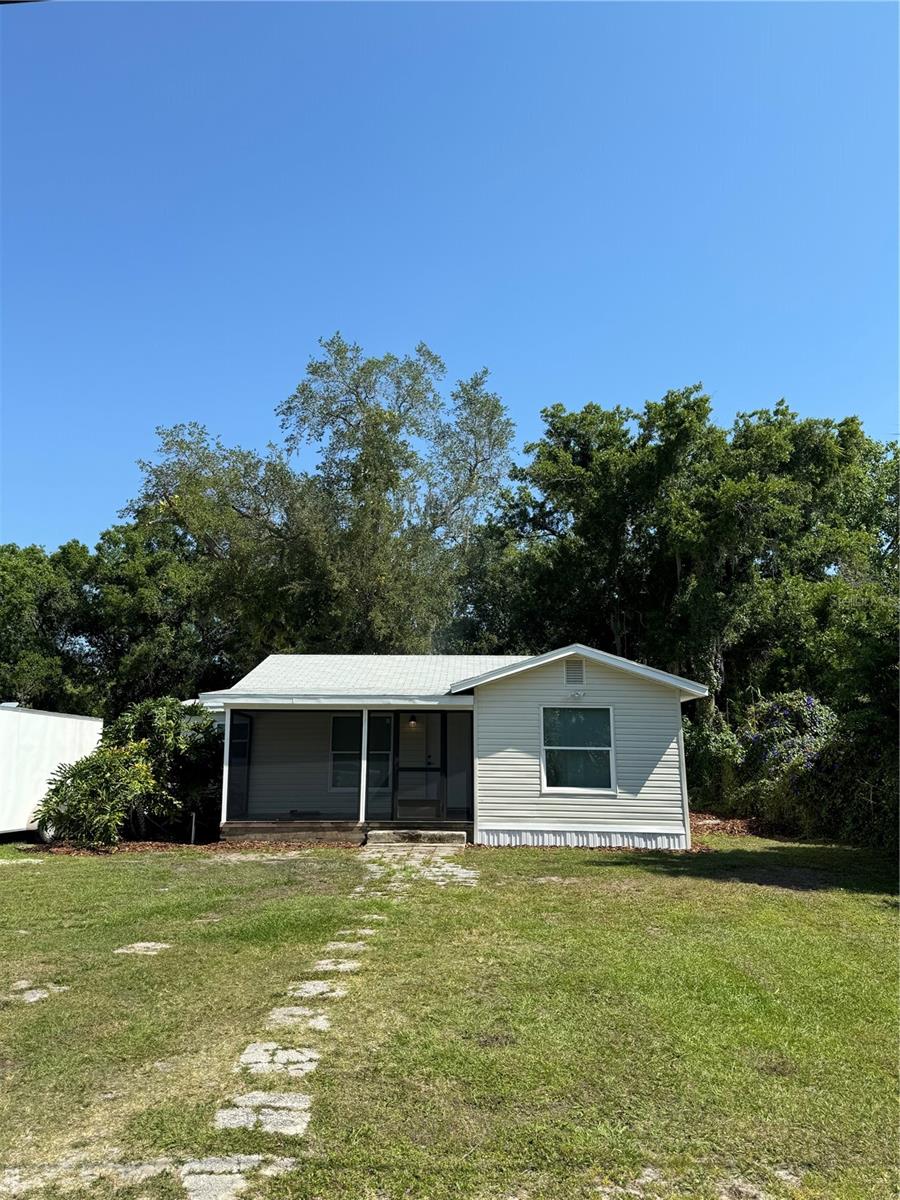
{"type": "Point", "coordinates": [576, 747]}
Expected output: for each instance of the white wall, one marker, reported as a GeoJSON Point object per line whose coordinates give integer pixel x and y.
{"type": "Point", "coordinates": [647, 807]}
{"type": "Point", "coordinates": [32, 745]}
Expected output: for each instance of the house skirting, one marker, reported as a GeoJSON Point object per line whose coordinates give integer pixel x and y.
{"type": "Point", "coordinates": [583, 838]}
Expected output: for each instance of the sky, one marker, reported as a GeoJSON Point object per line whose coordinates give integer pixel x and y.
{"type": "Point", "coordinates": [598, 202]}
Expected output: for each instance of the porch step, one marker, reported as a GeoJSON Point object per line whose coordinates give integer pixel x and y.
{"type": "Point", "coordinates": [422, 837]}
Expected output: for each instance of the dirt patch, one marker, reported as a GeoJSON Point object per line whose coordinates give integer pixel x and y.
{"type": "Point", "coordinates": [702, 822]}
{"type": "Point", "coordinates": [37, 852]}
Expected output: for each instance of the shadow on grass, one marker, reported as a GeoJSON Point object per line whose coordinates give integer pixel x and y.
{"type": "Point", "coordinates": [795, 866]}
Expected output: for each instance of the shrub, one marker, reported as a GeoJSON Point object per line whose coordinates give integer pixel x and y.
{"type": "Point", "coordinates": [184, 752]}
{"type": "Point", "coordinates": [91, 801]}
{"type": "Point", "coordinates": [849, 794]}
{"type": "Point", "coordinates": [712, 753]}
{"type": "Point", "coordinates": [781, 739]}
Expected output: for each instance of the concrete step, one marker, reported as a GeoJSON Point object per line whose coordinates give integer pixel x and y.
{"type": "Point", "coordinates": [418, 837]}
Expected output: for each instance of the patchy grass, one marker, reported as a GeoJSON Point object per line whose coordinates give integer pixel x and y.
{"type": "Point", "coordinates": [574, 1023]}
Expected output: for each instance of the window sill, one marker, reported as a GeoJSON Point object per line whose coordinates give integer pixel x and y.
{"type": "Point", "coordinates": [554, 791]}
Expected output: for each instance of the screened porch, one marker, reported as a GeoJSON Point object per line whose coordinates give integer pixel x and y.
{"type": "Point", "coordinates": [361, 765]}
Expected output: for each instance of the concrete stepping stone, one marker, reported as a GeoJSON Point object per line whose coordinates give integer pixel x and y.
{"type": "Point", "coordinates": [296, 1016]}
{"type": "Point", "coordinates": [337, 964]}
{"type": "Point", "coordinates": [322, 988]}
{"type": "Point", "coordinates": [24, 989]}
{"type": "Point", "coordinates": [268, 1058]}
{"type": "Point", "coordinates": [345, 946]}
{"type": "Point", "coordinates": [271, 1112]}
{"type": "Point", "coordinates": [143, 948]}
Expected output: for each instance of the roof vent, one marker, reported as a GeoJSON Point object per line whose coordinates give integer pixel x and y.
{"type": "Point", "coordinates": [574, 672]}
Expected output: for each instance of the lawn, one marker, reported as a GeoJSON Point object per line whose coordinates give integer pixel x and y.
{"type": "Point", "coordinates": [719, 1024]}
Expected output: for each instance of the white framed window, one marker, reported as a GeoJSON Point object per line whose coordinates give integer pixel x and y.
{"type": "Point", "coordinates": [346, 752]}
{"type": "Point", "coordinates": [577, 749]}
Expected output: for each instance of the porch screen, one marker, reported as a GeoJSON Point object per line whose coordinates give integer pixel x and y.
{"type": "Point", "coordinates": [238, 765]}
{"type": "Point", "coordinates": [380, 766]}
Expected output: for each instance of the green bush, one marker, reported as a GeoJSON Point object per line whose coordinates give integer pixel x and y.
{"type": "Point", "coordinates": [91, 801]}
{"type": "Point", "coordinates": [712, 754]}
{"type": "Point", "coordinates": [849, 793]}
{"type": "Point", "coordinates": [184, 751]}
{"type": "Point", "coordinates": [781, 739]}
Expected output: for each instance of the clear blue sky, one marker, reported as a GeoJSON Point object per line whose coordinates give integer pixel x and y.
{"type": "Point", "coordinates": [599, 202]}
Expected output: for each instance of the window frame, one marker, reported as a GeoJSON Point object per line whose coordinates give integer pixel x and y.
{"type": "Point", "coordinates": [547, 789]}
{"type": "Point", "coordinates": [331, 753]}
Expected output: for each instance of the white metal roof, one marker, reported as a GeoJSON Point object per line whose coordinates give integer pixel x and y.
{"type": "Point", "coordinates": [317, 677]}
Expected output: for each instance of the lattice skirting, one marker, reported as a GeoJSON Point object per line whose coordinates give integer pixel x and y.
{"type": "Point", "coordinates": [581, 838]}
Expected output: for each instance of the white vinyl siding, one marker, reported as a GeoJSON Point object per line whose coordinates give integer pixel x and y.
{"type": "Point", "coordinates": [647, 796]}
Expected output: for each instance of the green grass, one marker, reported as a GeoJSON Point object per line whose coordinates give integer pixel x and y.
{"type": "Point", "coordinates": [575, 1018]}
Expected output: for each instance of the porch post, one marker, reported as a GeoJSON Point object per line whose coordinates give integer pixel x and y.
{"type": "Point", "coordinates": [364, 754]}
{"type": "Point", "coordinates": [225, 766]}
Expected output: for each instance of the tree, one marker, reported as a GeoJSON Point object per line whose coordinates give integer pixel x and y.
{"type": "Point", "coordinates": [407, 476]}
{"type": "Point", "coordinates": [42, 603]}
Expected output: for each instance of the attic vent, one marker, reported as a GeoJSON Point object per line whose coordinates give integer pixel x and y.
{"type": "Point", "coordinates": [574, 672]}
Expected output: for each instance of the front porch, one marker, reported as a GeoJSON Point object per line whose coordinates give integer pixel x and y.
{"type": "Point", "coordinates": [335, 774]}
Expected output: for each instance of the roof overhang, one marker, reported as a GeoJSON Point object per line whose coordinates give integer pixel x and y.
{"type": "Point", "coordinates": [292, 700]}
{"type": "Point", "coordinates": [688, 689]}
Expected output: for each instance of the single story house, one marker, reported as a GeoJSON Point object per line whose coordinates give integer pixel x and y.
{"type": "Point", "coordinates": [576, 747]}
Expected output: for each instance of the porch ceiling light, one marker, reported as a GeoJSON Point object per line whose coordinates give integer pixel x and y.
{"type": "Point", "coordinates": [412, 720]}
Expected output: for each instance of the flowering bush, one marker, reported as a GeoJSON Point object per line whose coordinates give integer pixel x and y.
{"type": "Point", "coordinates": [785, 731]}
{"type": "Point", "coordinates": [781, 739]}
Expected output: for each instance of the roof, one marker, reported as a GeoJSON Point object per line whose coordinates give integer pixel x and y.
{"type": "Point", "coordinates": [318, 677]}
{"type": "Point", "coordinates": [367, 674]}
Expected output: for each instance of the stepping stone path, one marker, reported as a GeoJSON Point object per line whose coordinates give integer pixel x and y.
{"type": "Point", "coordinates": [272, 1112]}
{"type": "Point", "coordinates": [289, 1112]}
{"type": "Point", "coordinates": [216, 1178]}
{"type": "Point", "coordinates": [143, 948]}
{"type": "Point", "coordinates": [225, 1177]}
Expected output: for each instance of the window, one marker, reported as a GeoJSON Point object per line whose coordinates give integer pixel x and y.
{"type": "Point", "coordinates": [346, 751]}
{"type": "Point", "coordinates": [577, 749]}
{"type": "Point", "coordinates": [574, 672]}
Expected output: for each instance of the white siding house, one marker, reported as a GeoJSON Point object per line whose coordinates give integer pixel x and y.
{"type": "Point", "coordinates": [646, 800]}
{"type": "Point", "coordinates": [576, 747]}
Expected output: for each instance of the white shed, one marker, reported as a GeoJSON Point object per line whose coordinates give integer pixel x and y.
{"type": "Point", "coordinates": [32, 745]}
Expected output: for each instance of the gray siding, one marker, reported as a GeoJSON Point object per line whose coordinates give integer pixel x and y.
{"type": "Point", "coordinates": [289, 767]}
{"type": "Point", "coordinates": [647, 721]}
